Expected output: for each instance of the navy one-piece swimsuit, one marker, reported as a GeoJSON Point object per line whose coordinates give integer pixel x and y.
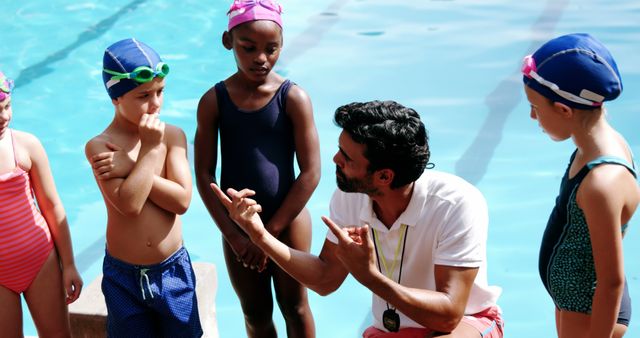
{"type": "Point", "coordinates": [257, 148]}
{"type": "Point", "coordinates": [566, 258]}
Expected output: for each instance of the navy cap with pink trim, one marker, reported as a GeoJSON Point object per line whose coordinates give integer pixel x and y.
{"type": "Point", "coordinates": [575, 69]}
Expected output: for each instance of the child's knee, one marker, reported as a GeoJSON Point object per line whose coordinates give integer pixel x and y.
{"type": "Point", "coordinates": [294, 307]}
{"type": "Point", "coordinates": [257, 317]}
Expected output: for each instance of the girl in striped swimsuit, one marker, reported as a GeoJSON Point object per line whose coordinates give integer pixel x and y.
{"type": "Point", "coordinates": [29, 232]}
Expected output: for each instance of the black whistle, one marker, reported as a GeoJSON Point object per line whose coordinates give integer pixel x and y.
{"type": "Point", "coordinates": [391, 320]}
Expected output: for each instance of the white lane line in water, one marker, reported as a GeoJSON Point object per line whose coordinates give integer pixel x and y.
{"type": "Point", "coordinates": [44, 67]}
{"type": "Point", "coordinates": [473, 163]}
{"type": "Point", "coordinates": [317, 27]}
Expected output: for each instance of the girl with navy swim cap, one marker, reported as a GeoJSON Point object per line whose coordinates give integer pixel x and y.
{"type": "Point", "coordinates": [567, 81]}
{"type": "Point", "coordinates": [264, 121]}
{"type": "Point", "coordinates": [36, 255]}
{"type": "Point", "coordinates": [140, 164]}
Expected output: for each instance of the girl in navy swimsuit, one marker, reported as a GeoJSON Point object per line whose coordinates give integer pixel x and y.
{"type": "Point", "coordinates": [581, 264]}
{"type": "Point", "coordinates": [264, 121]}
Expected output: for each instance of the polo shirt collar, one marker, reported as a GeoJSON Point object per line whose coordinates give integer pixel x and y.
{"type": "Point", "coordinates": [410, 216]}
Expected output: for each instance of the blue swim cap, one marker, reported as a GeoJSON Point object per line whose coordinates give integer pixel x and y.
{"type": "Point", "coordinates": [574, 69]}
{"type": "Point", "coordinates": [124, 56]}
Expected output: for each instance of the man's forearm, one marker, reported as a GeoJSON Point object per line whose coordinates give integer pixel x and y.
{"type": "Point", "coordinates": [431, 309]}
{"type": "Point", "coordinates": [306, 268]}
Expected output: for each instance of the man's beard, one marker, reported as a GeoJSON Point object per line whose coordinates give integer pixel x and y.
{"type": "Point", "coordinates": [363, 185]}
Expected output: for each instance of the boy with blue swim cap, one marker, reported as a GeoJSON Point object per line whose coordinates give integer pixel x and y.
{"type": "Point", "coordinates": [567, 80]}
{"type": "Point", "coordinates": [129, 63]}
{"type": "Point", "coordinates": [141, 167]}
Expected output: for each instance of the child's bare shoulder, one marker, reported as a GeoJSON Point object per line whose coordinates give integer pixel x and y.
{"type": "Point", "coordinates": [209, 98]}
{"type": "Point", "coordinates": [208, 107]}
{"type": "Point", "coordinates": [174, 135]}
{"type": "Point", "coordinates": [27, 142]}
{"type": "Point", "coordinates": [210, 93]}
{"type": "Point", "coordinates": [97, 144]}
{"type": "Point", "coordinates": [298, 102]}
{"type": "Point", "coordinates": [297, 94]}
{"type": "Point", "coordinates": [24, 138]}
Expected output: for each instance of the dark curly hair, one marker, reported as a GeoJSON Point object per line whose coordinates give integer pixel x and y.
{"type": "Point", "coordinates": [393, 135]}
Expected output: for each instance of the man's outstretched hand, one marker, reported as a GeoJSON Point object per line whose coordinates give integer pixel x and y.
{"type": "Point", "coordinates": [242, 209]}
{"type": "Point", "coordinates": [355, 250]}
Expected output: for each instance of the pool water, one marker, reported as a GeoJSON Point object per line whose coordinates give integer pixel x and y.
{"type": "Point", "coordinates": [454, 61]}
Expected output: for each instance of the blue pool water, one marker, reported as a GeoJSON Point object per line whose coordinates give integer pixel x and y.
{"type": "Point", "coordinates": [454, 61]}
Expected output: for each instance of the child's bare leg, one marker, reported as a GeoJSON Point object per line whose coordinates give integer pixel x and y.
{"type": "Point", "coordinates": [576, 325]}
{"type": "Point", "coordinates": [619, 331]}
{"type": "Point", "coordinates": [558, 322]}
{"type": "Point", "coordinates": [291, 296]}
{"type": "Point", "coordinates": [46, 300]}
{"type": "Point", "coordinates": [10, 313]}
{"type": "Point", "coordinates": [572, 324]}
{"type": "Point", "coordinates": [254, 291]}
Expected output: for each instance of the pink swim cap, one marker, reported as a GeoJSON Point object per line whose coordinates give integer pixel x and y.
{"type": "Point", "coordinates": [242, 11]}
{"type": "Point", "coordinates": [6, 85]}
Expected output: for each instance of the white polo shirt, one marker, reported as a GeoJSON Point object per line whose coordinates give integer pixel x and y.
{"type": "Point", "coordinates": [447, 223]}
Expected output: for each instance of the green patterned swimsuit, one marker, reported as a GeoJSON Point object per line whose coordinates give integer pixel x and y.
{"type": "Point", "coordinates": [566, 258]}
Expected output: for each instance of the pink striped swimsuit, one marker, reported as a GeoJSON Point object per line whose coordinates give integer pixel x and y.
{"type": "Point", "coordinates": [25, 240]}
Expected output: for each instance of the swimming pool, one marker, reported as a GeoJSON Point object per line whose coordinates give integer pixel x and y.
{"type": "Point", "coordinates": [456, 62]}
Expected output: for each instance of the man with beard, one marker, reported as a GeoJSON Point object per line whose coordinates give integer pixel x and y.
{"type": "Point", "coordinates": [416, 239]}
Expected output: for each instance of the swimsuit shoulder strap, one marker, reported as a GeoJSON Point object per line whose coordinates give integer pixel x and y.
{"type": "Point", "coordinates": [613, 160]}
{"type": "Point", "coordinates": [13, 146]}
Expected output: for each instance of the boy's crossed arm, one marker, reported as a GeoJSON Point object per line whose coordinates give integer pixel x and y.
{"type": "Point", "coordinates": [173, 193]}
{"type": "Point", "coordinates": [127, 184]}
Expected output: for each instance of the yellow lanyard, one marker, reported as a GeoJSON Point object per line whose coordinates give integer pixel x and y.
{"type": "Point", "coordinates": [380, 253]}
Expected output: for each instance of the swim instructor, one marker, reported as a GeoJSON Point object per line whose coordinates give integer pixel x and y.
{"type": "Point", "coordinates": [415, 238]}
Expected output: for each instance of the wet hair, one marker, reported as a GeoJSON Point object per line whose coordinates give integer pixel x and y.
{"type": "Point", "coordinates": [394, 137]}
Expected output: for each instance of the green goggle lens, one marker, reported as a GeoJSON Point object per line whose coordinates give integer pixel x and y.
{"type": "Point", "coordinates": [141, 74]}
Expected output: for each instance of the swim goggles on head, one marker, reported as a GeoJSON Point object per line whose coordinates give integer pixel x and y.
{"type": "Point", "coordinates": [6, 85]}
{"type": "Point", "coordinates": [244, 5]}
{"type": "Point", "coordinates": [529, 70]}
{"type": "Point", "coordinates": [142, 74]}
